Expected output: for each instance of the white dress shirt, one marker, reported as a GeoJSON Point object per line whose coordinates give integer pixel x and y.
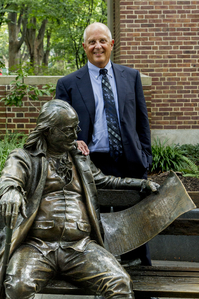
{"type": "Point", "coordinates": [100, 142]}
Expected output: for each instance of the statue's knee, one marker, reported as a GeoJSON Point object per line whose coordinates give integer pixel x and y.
{"type": "Point", "coordinates": [126, 277]}
{"type": "Point", "coordinates": [125, 280]}
{"type": "Point", "coordinates": [16, 288]}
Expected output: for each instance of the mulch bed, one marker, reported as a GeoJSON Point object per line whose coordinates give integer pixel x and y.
{"type": "Point", "coordinates": [190, 183]}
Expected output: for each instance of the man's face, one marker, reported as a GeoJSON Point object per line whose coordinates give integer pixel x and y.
{"type": "Point", "coordinates": [62, 138]}
{"type": "Point", "coordinates": [98, 45]}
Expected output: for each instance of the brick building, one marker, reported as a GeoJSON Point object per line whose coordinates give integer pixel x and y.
{"type": "Point", "coordinates": [161, 40]}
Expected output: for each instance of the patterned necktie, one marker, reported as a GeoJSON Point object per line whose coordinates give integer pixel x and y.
{"type": "Point", "coordinates": [114, 135]}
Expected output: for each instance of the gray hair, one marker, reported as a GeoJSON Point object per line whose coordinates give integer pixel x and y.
{"type": "Point", "coordinates": [99, 24]}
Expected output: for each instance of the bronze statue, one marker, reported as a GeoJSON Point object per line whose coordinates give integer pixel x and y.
{"type": "Point", "coordinates": [48, 195]}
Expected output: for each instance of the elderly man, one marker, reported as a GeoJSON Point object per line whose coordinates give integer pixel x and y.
{"type": "Point", "coordinates": [48, 195]}
{"type": "Point", "coordinates": [109, 101]}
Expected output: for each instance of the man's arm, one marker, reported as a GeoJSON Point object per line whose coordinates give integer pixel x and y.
{"type": "Point", "coordinates": [13, 183]}
{"type": "Point", "coordinates": [110, 182]}
{"type": "Point", "coordinates": [142, 121]}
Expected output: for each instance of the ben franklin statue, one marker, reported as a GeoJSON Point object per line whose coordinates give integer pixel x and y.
{"type": "Point", "coordinates": [48, 194]}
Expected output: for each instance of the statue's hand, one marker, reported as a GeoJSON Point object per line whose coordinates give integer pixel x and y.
{"type": "Point", "coordinates": [10, 204]}
{"type": "Point", "coordinates": [150, 185]}
{"type": "Point", "coordinates": [82, 146]}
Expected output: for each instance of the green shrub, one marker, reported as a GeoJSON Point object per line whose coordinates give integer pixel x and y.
{"type": "Point", "coordinates": [191, 169]}
{"type": "Point", "coordinates": [168, 157]}
{"type": "Point", "coordinates": [8, 143]}
{"type": "Point", "coordinates": [191, 151]}
{"type": "Point", "coordinates": [18, 90]}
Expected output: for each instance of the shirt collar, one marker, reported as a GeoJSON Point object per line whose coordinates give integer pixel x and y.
{"type": "Point", "coordinates": [37, 152]}
{"type": "Point", "coordinates": [95, 70]}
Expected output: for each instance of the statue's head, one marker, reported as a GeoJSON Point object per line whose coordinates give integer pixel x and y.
{"type": "Point", "coordinates": [55, 112]}
{"type": "Point", "coordinates": [57, 123]}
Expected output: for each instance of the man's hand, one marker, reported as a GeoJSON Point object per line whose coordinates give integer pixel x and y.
{"type": "Point", "coordinates": [10, 204]}
{"type": "Point", "coordinates": [83, 147]}
{"type": "Point", "coordinates": [150, 185]}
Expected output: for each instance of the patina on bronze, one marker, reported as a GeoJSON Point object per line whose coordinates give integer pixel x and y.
{"type": "Point", "coordinates": [5, 260]}
{"type": "Point", "coordinates": [48, 194]}
{"type": "Point", "coordinates": [131, 228]}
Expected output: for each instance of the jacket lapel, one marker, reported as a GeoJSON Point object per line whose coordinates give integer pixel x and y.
{"type": "Point", "coordinates": [85, 88]}
{"type": "Point", "coordinates": [82, 164]}
{"type": "Point", "coordinates": [120, 79]}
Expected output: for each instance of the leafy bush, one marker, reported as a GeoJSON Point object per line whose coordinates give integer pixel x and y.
{"type": "Point", "coordinates": [47, 70]}
{"type": "Point", "coordinates": [191, 170]}
{"type": "Point", "coordinates": [10, 142]}
{"type": "Point", "coordinates": [18, 90]}
{"type": "Point", "coordinates": [168, 157]}
{"type": "Point", "coordinates": [191, 151]}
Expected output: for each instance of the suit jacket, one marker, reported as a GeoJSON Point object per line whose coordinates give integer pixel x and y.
{"type": "Point", "coordinates": [76, 89]}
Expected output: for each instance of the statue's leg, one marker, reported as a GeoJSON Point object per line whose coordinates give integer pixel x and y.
{"type": "Point", "coordinates": [97, 269]}
{"type": "Point", "coordinates": [28, 272]}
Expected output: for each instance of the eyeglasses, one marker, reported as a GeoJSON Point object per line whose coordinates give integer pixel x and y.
{"type": "Point", "coordinates": [68, 131]}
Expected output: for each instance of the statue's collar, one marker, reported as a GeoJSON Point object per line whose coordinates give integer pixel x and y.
{"type": "Point", "coordinates": [37, 153]}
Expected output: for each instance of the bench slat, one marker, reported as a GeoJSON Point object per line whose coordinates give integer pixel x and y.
{"type": "Point", "coordinates": [152, 281]}
{"type": "Point", "coordinates": [113, 197]}
{"type": "Point", "coordinates": [188, 227]}
{"type": "Point", "coordinates": [185, 287]}
{"type": "Point", "coordinates": [166, 287]}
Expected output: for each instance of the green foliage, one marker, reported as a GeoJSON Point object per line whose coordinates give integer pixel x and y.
{"type": "Point", "coordinates": [10, 142]}
{"type": "Point", "coordinates": [4, 45]}
{"type": "Point", "coordinates": [19, 89]}
{"type": "Point", "coordinates": [51, 70]}
{"type": "Point", "coordinates": [61, 46]}
{"type": "Point", "coordinates": [191, 169]}
{"type": "Point", "coordinates": [168, 157]}
{"type": "Point", "coordinates": [1, 64]}
{"type": "Point", "coordinates": [192, 155]}
{"type": "Point", "coordinates": [75, 16]}
{"type": "Point", "coordinates": [191, 151]}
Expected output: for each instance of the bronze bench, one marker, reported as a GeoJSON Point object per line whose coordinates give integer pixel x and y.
{"type": "Point", "coordinates": [154, 281]}
{"type": "Point", "coordinates": [147, 281]}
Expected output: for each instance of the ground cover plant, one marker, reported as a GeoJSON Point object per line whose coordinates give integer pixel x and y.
{"type": "Point", "coordinates": [184, 160]}
{"type": "Point", "coordinates": [9, 142]}
{"type": "Point", "coordinates": [169, 157]}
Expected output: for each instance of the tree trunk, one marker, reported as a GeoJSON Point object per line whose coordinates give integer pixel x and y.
{"type": "Point", "coordinates": [35, 43]}
{"type": "Point", "coordinates": [15, 43]}
{"type": "Point", "coordinates": [30, 39]}
{"type": "Point", "coordinates": [47, 52]}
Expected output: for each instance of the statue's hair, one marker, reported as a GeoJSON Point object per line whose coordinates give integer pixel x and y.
{"type": "Point", "coordinates": [99, 24]}
{"type": "Point", "coordinates": [48, 118]}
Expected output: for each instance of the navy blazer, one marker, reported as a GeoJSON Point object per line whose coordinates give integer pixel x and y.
{"type": "Point", "coordinates": [76, 89]}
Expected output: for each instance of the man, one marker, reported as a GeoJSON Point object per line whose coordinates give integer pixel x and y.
{"type": "Point", "coordinates": [48, 195]}
{"type": "Point", "coordinates": [83, 90]}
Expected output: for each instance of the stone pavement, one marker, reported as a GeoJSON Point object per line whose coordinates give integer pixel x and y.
{"type": "Point", "coordinates": [163, 263]}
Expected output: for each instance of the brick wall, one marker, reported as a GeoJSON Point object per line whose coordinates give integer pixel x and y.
{"type": "Point", "coordinates": [19, 119]}
{"type": "Point", "coordinates": [161, 40]}
{"type": "Point", "coordinates": [23, 119]}
{"type": "Point", "coordinates": [116, 30]}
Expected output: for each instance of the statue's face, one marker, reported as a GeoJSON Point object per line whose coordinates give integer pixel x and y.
{"type": "Point", "coordinates": [62, 137]}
